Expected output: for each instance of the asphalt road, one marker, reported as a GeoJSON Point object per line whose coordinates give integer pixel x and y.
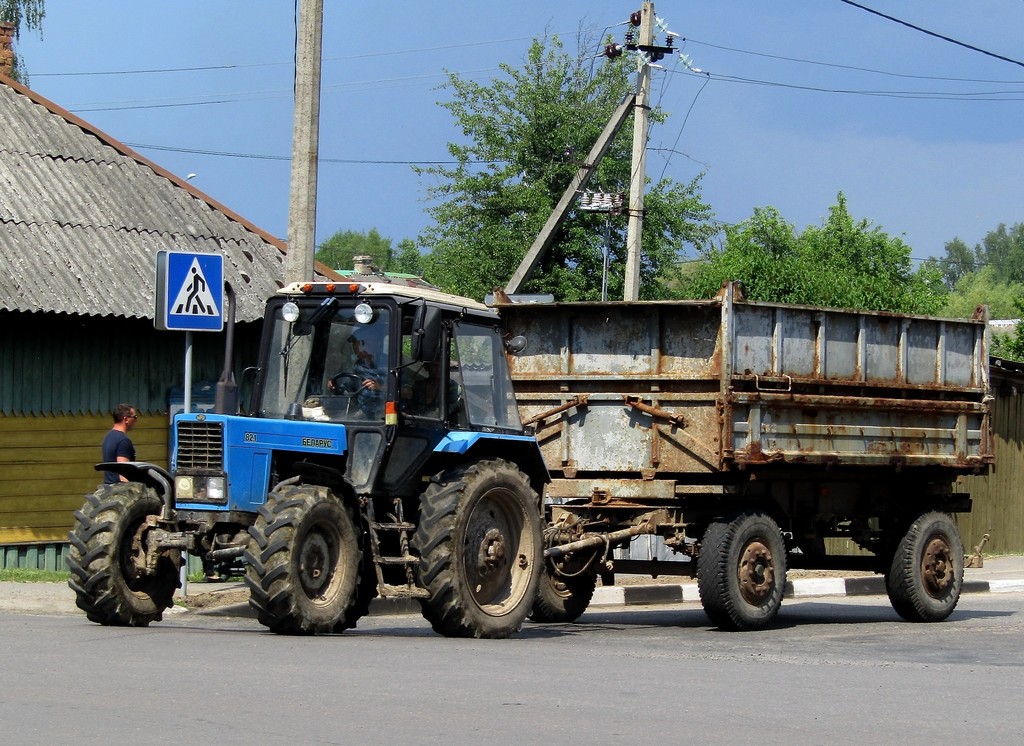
{"type": "Point", "coordinates": [831, 671]}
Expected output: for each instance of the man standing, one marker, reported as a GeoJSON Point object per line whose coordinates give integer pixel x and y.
{"type": "Point", "coordinates": [117, 446]}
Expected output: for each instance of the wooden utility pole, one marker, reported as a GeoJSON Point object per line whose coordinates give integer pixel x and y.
{"type": "Point", "coordinates": [298, 266]}
{"type": "Point", "coordinates": [639, 167]}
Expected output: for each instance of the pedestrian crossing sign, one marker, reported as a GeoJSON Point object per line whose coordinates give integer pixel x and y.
{"type": "Point", "coordinates": [189, 292]}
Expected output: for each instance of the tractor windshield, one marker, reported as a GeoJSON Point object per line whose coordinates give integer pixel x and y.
{"type": "Point", "coordinates": [327, 365]}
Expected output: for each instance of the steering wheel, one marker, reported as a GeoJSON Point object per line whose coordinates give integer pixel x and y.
{"type": "Point", "coordinates": [347, 384]}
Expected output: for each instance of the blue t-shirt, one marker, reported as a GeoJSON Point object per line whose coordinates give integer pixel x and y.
{"type": "Point", "coordinates": [115, 444]}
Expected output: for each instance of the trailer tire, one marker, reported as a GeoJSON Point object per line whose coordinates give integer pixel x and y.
{"type": "Point", "coordinates": [562, 600]}
{"type": "Point", "coordinates": [108, 547]}
{"type": "Point", "coordinates": [741, 572]}
{"type": "Point", "coordinates": [479, 548]}
{"type": "Point", "coordinates": [303, 562]}
{"type": "Point", "coordinates": [927, 570]}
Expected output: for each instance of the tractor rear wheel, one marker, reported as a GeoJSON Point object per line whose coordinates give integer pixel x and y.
{"type": "Point", "coordinates": [479, 548]}
{"type": "Point", "coordinates": [110, 576]}
{"type": "Point", "coordinates": [303, 563]}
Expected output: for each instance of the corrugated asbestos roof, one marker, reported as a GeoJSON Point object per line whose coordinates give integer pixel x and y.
{"type": "Point", "coordinates": [82, 217]}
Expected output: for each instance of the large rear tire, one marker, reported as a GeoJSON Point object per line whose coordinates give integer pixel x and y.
{"type": "Point", "coordinates": [479, 548]}
{"type": "Point", "coordinates": [107, 558]}
{"type": "Point", "coordinates": [303, 563]}
{"type": "Point", "coordinates": [927, 570]}
{"type": "Point", "coordinates": [741, 572]}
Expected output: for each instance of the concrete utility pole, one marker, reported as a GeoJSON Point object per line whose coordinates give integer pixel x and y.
{"type": "Point", "coordinates": [639, 169]}
{"type": "Point", "coordinates": [561, 211]}
{"type": "Point", "coordinates": [298, 266]}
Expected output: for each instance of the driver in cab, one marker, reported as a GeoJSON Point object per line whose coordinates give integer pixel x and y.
{"type": "Point", "coordinates": [366, 381]}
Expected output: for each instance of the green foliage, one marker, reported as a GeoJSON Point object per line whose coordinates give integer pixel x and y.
{"type": "Point", "coordinates": [984, 287]}
{"type": "Point", "coordinates": [27, 13]}
{"type": "Point", "coordinates": [408, 260]}
{"type": "Point", "coordinates": [525, 135]}
{"type": "Point", "coordinates": [960, 262]}
{"type": "Point", "coordinates": [842, 263]}
{"type": "Point", "coordinates": [1011, 346]}
{"type": "Point", "coordinates": [338, 251]}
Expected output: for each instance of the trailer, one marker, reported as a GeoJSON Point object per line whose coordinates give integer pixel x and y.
{"type": "Point", "coordinates": [751, 438]}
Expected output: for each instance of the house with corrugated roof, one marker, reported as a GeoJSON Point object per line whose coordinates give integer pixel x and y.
{"type": "Point", "coordinates": [82, 218]}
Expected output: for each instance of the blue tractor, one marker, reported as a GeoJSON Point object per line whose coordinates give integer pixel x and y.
{"type": "Point", "coordinates": [380, 453]}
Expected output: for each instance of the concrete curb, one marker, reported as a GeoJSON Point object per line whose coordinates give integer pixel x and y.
{"type": "Point", "coordinates": [1000, 575]}
{"type": "Point", "coordinates": [645, 595]}
{"type": "Point", "coordinates": [674, 593]}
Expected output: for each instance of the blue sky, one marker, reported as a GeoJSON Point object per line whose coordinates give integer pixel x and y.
{"type": "Point", "coordinates": [807, 98]}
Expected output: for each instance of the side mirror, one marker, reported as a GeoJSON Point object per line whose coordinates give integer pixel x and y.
{"type": "Point", "coordinates": [516, 344]}
{"type": "Point", "coordinates": [247, 388]}
{"type": "Point", "coordinates": [426, 333]}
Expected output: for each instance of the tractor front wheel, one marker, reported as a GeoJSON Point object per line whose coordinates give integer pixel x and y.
{"type": "Point", "coordinates": [113, 576]}
{"type": "Point", "coordinates": [303, 563]}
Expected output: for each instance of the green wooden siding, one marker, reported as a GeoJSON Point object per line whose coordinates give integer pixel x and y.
{"type": "Point", "coordinates": [60, 378]}
{"type": "Point", "coordinates": [998, 507]}
{"type": "Point", "coordinates": [58, 364]}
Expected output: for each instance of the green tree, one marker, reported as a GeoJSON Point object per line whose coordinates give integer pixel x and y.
{"type": "Point", "coordinates": [992, 273]}
{"type": "Point", "coordinates": [1003, 249]}
{"type": "Point", "coordinates": [842, 263]}
{"type": "Point", "coordinates": [984, 287]}
{"type": "Point", "coordinates": [408, 260]}
{"type": "Point", "coordinates": [959, 262]}
{"type": "Point", "coordinates": [338, 251]}
{"type": "Point", "coordinates": [27, 13]}
{"type": "Point", "coordinates": [525, 134]}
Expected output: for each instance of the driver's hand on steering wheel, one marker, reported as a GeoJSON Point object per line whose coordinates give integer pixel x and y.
{"type": "Point", "coordinates": [348, 383]}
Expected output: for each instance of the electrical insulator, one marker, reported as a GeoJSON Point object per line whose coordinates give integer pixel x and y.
{"type": "Point", "coordinates": [612, 51]}
{"type": "Point", "coordinates": [634, 18]}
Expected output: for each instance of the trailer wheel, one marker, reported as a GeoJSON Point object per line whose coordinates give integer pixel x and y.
{"type": "Point", "coordinates": [302, 562]}
{"type": "Point", "coordinates": [107, 558]}
{"type": "Point", "coordinates": [741, 572]}
{"type": "Point", "coordinates": [927, 570]}
{"type": "Point", "coordinates": [479, 548]}
{"type": "Point", "coordinates": [562, 600]}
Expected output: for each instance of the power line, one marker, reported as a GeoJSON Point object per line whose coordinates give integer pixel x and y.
{"type": "Point", "coordinates": [932, 33]}
{"type": "Point", "coordinates": [239, 66]}
{"type": "Point", "coordinates": [1012, 95]}
{"type": "Point", "coordinates": [267, 157]}
{"type": "Point", "coordinates": [854, 68]}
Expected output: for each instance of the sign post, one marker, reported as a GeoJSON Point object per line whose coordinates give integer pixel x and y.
{"type": "Point", "coordinates": [189, 298]}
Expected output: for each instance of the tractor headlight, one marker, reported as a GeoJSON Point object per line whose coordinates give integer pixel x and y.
{"type": "Point", "coordinates": [183, 489]}
{"type": "Point", "coordinates": [198, 489]}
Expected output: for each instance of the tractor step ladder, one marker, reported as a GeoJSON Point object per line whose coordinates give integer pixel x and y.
{"type": "Point", "coordinates": [398, 524]}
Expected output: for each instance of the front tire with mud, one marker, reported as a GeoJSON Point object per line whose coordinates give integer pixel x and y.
{"type": "Point", "coordinates": [107, 558]}
{"type": "Point", "coordinates": [927, 570]}
{"type": "Point", "coordinates": [479, 548]}
{"type": "Point", "coordinates": [741, 572]}
{"type": "Point", "coordinates": [303, 563]}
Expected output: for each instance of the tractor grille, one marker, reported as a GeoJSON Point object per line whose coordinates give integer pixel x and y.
{"type": "Point", "coordinates": [200, 446]}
